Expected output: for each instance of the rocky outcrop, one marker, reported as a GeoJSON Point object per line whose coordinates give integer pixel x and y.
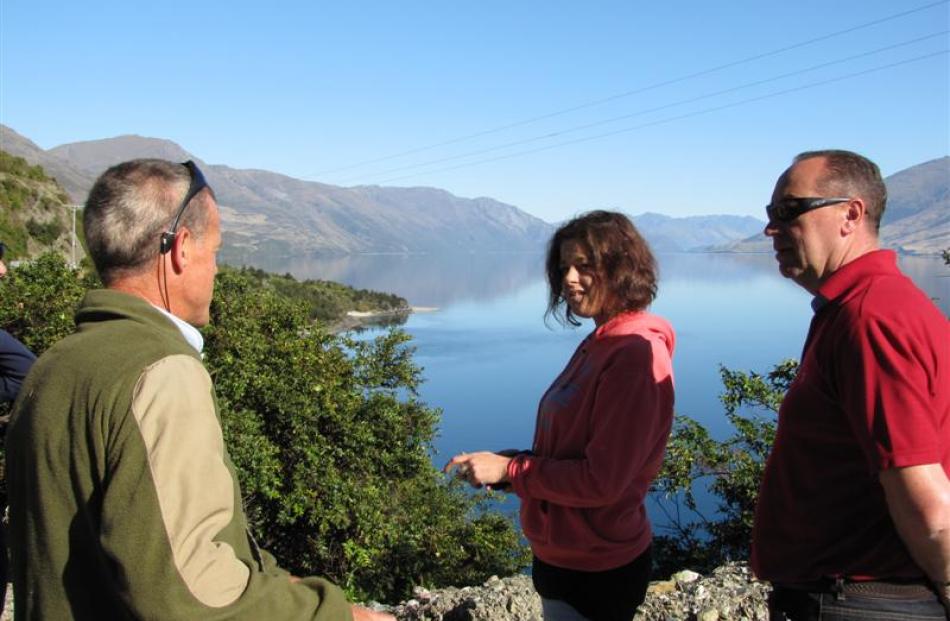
{"type": "Point", "coordinates": [729, 592]}
{"type": "Point", "coordinates": [507, 599]}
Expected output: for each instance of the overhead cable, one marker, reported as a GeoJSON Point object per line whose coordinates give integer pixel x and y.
{"type": "Point", "coordinates": [658, 108]}
{"type": "Point", "coordinates": [636, 91]}
{"type": "Point", "coordinates": [674, 118]}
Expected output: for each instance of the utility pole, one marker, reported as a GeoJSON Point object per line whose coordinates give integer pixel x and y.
{"type": "Point", "coordinates": [75, 209]}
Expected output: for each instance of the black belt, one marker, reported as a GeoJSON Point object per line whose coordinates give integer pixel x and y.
{"type": "Point", "coordinates": [891, 589]}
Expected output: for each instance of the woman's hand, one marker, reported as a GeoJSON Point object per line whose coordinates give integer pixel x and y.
{"type": "Point", "coordinates": [482, 468]}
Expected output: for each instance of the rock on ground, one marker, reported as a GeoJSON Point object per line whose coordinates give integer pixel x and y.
{"type": "Point", "coordinates": [730, 592]}
{"type": "Point", "coordinates": [508, 599]}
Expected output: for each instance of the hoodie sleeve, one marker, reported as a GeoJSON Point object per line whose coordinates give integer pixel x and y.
{"type": "Point", "coordinates": [632, 412]}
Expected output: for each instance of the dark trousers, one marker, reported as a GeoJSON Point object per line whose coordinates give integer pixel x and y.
{"type": "Point", "coordinates": [611, 595]}
{"type": "Point", "coordinates": [859, 602]}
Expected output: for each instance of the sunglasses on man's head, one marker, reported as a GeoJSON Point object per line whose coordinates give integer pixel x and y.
{"type": "Point", "coordinates": [789, 208]}
{"type": "Point", "coordinates": [3, 250]}
{"type": "Point", "coordinates": [197, 184]}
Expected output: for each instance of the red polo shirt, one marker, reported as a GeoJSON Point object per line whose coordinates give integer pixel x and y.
{"type": "Point", "coordinates": [872, 393]}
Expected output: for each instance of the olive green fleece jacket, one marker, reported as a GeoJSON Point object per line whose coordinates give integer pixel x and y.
{"type": "Point", "coordinates": [124, 503]}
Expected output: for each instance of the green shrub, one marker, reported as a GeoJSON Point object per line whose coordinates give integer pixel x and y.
{"type": "Point", "coordinates": [38, 300]}
{"type": "Point", "coordinates": [44, 232]}
{"type": "Point", "coordinates": [18, 166]}
{"type": "Point", "coordinates": [730, 470]}
{"type": "Point", "coordinates": [13, 193]}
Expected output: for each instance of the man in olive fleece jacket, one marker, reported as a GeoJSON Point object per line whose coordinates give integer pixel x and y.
{"type": "Point", "coordinates": [124, 503]}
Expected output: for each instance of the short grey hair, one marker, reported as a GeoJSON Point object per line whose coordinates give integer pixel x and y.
{"type": "Point", "coordinates": [128, 209]}
{"type": "Point", "coordinates": [850, 174]}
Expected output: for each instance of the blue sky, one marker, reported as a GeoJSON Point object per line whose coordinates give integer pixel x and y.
{"type": "Point", "coordinates": [310, 89]}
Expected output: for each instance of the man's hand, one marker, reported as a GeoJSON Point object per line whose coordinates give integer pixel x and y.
{"type": "Point", "coordinates": [482, 468]}
{"type": "Point", "coordinates": [365, 614]}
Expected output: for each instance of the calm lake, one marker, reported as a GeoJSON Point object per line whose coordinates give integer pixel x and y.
{"type": "Point", "coordinates": [488, 356]}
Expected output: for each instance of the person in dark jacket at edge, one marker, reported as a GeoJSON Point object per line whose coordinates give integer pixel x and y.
{"type": "Point", "coordinates": [15, 362]}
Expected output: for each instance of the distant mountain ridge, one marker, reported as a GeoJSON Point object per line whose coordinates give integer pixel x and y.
{"type": "Point", "coordinates": [268, 214]}
{"type": "Point", "coordinates": [694, 233]}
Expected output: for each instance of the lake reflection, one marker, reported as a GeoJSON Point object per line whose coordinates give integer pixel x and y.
{"type": "Point", "coordinates": [423, 279]}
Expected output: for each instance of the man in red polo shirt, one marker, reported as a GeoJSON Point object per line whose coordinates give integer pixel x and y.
{"type": "Point", "coordinates": [853, 516]}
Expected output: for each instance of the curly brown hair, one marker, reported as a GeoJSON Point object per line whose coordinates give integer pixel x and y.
{"type": "Point", "coordinates": [621, 257]}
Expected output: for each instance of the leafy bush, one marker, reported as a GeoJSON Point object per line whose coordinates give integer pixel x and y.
{"type": "Point", "coordinates": [13, 235]}
{"type": "Point", "coordinates": [44, 232]}
{"type": "Point", "coordinates": [329, 438]}
{"type": "Point", "coordinates": [39, 299]}
{"type": "Point", "coordinates": [14, 194]}
{"type": "Point", "coordinates": [731, 470]}
{"type": "Point", "coordinates": [18, 166]}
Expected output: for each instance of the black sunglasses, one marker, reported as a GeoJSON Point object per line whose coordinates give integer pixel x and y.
{"type": "Point", "coordinates": [197, 184]}
{"type": "Point", "coordinates": [3, 250]}
{"type": "Point", "coordinates": [789, 208]}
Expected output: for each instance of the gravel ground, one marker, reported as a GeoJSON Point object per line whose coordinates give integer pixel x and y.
{"type": "Point", "coordinates": [730, 592]}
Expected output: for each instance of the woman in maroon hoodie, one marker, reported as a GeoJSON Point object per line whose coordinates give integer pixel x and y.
{"type": "Point", "coordinates": [601, 431]}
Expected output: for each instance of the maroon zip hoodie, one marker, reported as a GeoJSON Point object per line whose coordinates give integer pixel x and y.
{"type": "Point", "coordinates": [599, 442]}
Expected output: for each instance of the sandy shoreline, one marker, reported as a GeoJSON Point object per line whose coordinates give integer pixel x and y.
{"type": "Point", "coordinates": [396, 311]}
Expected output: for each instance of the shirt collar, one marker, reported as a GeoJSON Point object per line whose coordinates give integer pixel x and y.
{"type": "Point", "coordinates": [845, 279]}
{"type": "Point", "coordinates": [191, 333]}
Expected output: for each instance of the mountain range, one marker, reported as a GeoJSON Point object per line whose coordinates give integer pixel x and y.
{"type": "Point", "coordinates": [266, 214]}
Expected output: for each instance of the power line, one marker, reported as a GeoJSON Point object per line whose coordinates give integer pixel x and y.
{"type": "Point", "coordinates": [636, 91]}
{"type": "Point", "coordinates": [673, 118]}
{"type": "Point", "coordinates": [659, 108]}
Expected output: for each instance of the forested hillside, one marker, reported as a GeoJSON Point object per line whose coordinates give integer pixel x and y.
{"type": "Point", "coordinates": [35, 212]}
